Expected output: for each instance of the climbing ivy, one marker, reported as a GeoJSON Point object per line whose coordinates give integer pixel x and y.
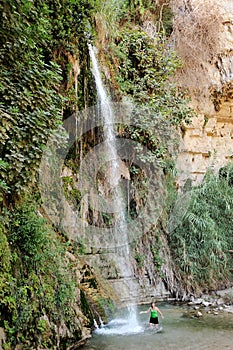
{"type": "Point", "coordinates": [30, 104]}
{"type": "Point", "coordinates": [35, 93]}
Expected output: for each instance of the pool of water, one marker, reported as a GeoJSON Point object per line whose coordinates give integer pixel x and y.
{"type": "Point", "coordinates": [124, 332]}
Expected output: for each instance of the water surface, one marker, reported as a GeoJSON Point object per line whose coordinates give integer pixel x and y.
{"type": "Point", "coordinates": [212, 332]}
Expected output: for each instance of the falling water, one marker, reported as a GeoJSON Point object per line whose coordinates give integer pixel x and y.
{"type": "Point", "coordinates": [122, 251]}
{"type": "Point", "coordinates": [106, 112]}
{"type": "Point", "coordinates": [107, 118]}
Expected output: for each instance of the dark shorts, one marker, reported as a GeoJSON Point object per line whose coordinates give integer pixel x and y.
{"type": "Point", "coordinates": [154, 320]}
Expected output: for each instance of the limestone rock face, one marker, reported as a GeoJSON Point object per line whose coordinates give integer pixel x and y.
{"type": "Point", "coordinates": [206, 47]}
{"type": "Point", "coordinates": [207, 142]}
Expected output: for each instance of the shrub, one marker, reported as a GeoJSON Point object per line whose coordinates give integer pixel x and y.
{"type": "Point", "coordinates": [201, 242]}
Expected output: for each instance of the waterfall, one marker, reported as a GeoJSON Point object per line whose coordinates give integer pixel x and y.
{"type": "Point", "coordinates": [118, 207]}
{"type": "Point", "coordinates": [107, 118]}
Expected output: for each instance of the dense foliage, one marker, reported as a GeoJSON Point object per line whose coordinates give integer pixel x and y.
{"type": "Point", "coordinates": [145, 65]}
{"type": "Point", "coordinates": [202, 241]}
{"type": "Point", "coordinates": [30, 105]}
{"type": "Point", "coordinates": [36, 290]}
{"type": "Point", "coordinates": [34, 37]}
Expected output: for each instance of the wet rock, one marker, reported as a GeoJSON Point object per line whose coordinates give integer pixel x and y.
{"type": "Point", "coordinates": [222, 293]}
{"type": "Point", "coordinates": [229, 308]}
{"type": "Point", "coordinates": [198, 301]}
{"type": "Point", "coordinates": [220, 301]}
{"type": "Point", "coordinates": [206, 303]}
{"type": "Point", "coordinates": [63, 330]}
{"type": "Point", "coordinates": [192, 299]}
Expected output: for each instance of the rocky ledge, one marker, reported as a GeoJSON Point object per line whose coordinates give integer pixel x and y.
{"type": "Point", "coordinates": [215, 303]}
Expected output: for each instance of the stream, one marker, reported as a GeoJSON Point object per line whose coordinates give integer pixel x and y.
{"type": "Point", "coordinates": [211, 332]}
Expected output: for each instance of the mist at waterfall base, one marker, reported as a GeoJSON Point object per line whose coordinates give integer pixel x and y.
{"type": "Point", "coordinates": [126, 322]}
{"type": "Point", "coordinates": [178, 331]}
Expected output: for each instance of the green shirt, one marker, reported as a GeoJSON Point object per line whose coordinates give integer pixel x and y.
{"type": "Point", "coordinates": [153, 313]}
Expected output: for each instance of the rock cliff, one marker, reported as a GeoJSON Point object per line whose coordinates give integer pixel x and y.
{"type": "Point", "coordinates": [203, 37]}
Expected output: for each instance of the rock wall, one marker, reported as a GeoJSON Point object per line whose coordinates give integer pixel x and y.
{"type": "Point", "coordinates": [206, 47]}
{"type": "Point", "coordinates": [207, 142]}
{"type": "Point", "coordinates": [207, 74]}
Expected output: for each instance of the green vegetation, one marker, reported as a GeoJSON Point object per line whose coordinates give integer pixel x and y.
{"type": "Point", "coordinates": [30, 105]}
{"type": "Point", "coordinates": [36, 289]}
{"type": "Point", "coordinates": [40, 42]}
{"type": "Point", "coordinates": [201, 243]}
{"type": "Point", "coordinates": [45, 76]}
{"type": "Point", "coordinates": [139, 260]}
{"type": "Point", "coordinates": [156, 251]}
{"type": "Point", "coordinates": [72, 194]}
{"type": "Point", "coordinates": [144, 67]}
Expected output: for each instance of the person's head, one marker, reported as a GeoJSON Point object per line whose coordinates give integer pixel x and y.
{"type": "Point", "coordinates": [152, 304]}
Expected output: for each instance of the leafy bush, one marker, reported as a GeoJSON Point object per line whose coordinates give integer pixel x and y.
{"type": "Point", "coordinates": [7, 280]}
{"type": "Point", "coordinates": [36, 278]}
{"type": "Point", "coordinates": [28, 232]}
{"type": "Point", "coordinates": [145, 64]}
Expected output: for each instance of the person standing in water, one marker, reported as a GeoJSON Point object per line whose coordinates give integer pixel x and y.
{"type": "Point", "coordinates": [154, 319]}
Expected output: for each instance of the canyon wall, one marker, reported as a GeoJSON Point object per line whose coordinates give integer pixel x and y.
{"type": "Point", "coordinates": [203, 38]}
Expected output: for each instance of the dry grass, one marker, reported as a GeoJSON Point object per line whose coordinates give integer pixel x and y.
{"type": "Point", "coordinates": [197, 27]}
{"type": "Point", "coordinates": [196, 37]}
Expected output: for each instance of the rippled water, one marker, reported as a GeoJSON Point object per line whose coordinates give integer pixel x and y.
{"type": "Point", "coordinates": [212, 332]}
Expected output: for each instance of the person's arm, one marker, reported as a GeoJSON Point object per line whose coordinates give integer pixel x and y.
{"type": "Point", "coordinates": [159, 312]}
{"type": "Point", "coordinates": [145, 312]}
